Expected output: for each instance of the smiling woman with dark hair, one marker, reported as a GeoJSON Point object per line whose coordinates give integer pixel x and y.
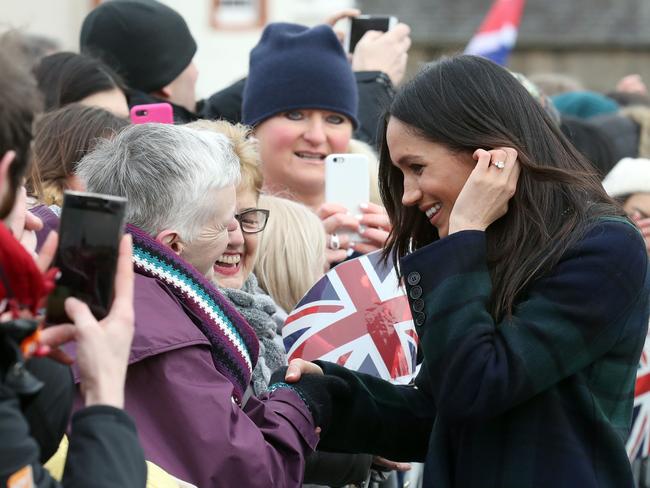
{"type": "Point", "coordinates": [527, 286]}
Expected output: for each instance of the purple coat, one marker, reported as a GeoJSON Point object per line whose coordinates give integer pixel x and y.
{"type": "Point", "coordinates": [50, 222]}
{"type": "Point", "coordinates": [182, 406]}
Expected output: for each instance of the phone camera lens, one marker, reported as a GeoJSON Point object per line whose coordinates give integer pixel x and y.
{"type": "Point", "coordinates": [337, 160]}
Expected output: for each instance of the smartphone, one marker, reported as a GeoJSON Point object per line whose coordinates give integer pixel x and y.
{"type": "Point", "coordinates": [358, 26]}
{"type": "Point", "coordinates": [161, 113]}
{"type": "Point", "coordinates": [347, 182]}
{"type": "Point", "coordinates": [89, 238]}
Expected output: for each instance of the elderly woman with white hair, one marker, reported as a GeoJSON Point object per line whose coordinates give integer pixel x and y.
{"type": "Point", "coordinates": [629, 182]}
{"type": "Point", "coordinates": [193, 353]}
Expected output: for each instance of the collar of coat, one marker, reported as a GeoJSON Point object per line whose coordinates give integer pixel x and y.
{"type": "Point", "coordinates": [235, 346]}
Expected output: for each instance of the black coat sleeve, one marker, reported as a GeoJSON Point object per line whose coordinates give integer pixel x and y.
{"type": "Point", "coordinates": [336, 469]}
{"type": "Point", "coordinates": [18, 451]}
{"type": "Point", "coordinates": [224, 104]}
{"type": "Point", "coordinates": [378, 417]}
{"type": "Point", "coordinates": [104, 449]}
{"type": "Point", "coordinates": [375, 93]}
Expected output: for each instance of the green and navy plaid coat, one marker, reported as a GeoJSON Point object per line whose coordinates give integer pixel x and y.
{"type": "Point", "coordinates": [541, 400]}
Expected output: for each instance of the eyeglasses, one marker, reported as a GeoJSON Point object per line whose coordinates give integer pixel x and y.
{"type": "Point", "coordinates": [252, 220]}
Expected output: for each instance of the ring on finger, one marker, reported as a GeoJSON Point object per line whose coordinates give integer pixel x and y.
{"type": "Point", "coordinates": [335, 242]}
{"type": "Point", "coordinates": [500, 164]}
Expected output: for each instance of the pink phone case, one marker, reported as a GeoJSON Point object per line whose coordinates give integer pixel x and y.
{"type": "Point", "coordinates": [161, 113]}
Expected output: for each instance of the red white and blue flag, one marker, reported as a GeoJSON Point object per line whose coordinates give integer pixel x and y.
{"type": "Point", "coordinates": [498, 33]}
{"type": "Point", "coordinates": [357, 316]}
{"type": "Point", "coordinates": [638, 442]}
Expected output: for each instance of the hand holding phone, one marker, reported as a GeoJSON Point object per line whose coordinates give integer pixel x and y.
{"type": "Point", "coordinates": [347, 183]}
{"type": "Point", "coordinates": [89, 236]}
{"type": "Point", "coordinates": [386, 52]}
{"type": "Point", "coordinates": [103, 347]}
{"type": "Point", "coordinates": [361, 24]}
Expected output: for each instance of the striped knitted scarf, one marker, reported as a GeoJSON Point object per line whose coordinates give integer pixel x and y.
{"type": "Point", "coordinates": [234, 344]}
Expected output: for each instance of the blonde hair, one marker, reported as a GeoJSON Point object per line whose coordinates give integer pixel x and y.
{"type": "Point", "coordinates": [245, 147]}
{"type": "Point", "coordinates": [291, 251]}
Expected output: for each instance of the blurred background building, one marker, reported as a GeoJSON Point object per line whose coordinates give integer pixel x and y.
{"type": "Point", "coordinates": [597, 41]}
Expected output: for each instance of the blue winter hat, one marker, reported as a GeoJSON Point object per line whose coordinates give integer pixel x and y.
{"type": "Point", "coordinates": [297, 67]}
{"type": "Point", "coordinates": [584, 104]}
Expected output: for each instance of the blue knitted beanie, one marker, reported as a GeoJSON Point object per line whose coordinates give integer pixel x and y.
{"type": "Point", "coordinates": [297, 67]}
{"type": "Point", "coordinates": [584, 104]}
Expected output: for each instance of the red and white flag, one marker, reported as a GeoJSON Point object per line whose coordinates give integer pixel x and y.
{"type": "Point", "coordinates": [358, 316]}
{"type": "Point", "coordinates": [638, 442]}
{"type": "Point", "coordinates": [498, 33]}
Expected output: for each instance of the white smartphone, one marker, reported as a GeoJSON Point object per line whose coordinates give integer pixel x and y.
{"type": "Point", "coordinates": [358, 26]}
{"type": "Point", "coordinates": [347, 182]}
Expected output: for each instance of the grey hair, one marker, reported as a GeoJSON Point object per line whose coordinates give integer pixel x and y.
{"type": "Point", "coordinates": [166, 172]}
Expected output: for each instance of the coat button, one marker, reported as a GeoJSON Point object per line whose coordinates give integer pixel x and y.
{"type": "Point", "coordinates": [419, 319]}
{"type": "Point", "coordinates": [415, 292]}
{"type": "Point", "coordinates": [413, 278]}
{"type": "Point", "coordinates": [418, 305]}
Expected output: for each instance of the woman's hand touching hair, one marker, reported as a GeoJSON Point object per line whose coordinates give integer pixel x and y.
{"type": "Point", "coordinates": [490, 186]}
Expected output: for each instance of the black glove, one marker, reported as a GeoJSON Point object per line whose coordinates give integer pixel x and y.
{"type": "Point", "coordinates": [319, 392]}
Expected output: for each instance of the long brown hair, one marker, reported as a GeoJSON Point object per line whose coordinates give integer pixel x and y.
{"type": "Point", "coordinates": [61, 139]}
{"type": "Point", "coordinates": [466, 103]}
{"type": "Point", "coordinates": [19, 102]}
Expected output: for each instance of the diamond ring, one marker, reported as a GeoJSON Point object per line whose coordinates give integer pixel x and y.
{"type": "Point", "coordinates": [335, 243]}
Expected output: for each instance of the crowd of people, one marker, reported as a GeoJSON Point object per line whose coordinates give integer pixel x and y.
{"type": "Point", "coordinates": [516, 209]}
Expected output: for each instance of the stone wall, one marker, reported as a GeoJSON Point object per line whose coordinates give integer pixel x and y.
{"type": "Point", "coordinates": [598, 41]}
{"type": "Point", "coordinates": [598, 69]}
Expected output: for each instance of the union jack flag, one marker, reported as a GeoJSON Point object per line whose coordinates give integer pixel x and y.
{"type": "Point", "coordinates": [638, 443]}
{"type": "Point", "coordinates": [357, 316]}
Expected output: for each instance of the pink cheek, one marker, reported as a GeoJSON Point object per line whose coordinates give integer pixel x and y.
{"type": "Point", "coordinates": [339, 142]}
{"type": "Point", "coordinates": [282, 138]}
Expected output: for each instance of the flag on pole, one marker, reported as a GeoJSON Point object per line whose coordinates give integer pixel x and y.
{"type": "Point", "coordinates": [498, 33]}
{"type": "Point", "coordinates": [357, 316]}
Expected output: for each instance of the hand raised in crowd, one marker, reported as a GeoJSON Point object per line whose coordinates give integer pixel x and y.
{"type": "Point", "coordinates": [340, 15]}
{"type": "Point", "coordinates": [485, 196]}
{"type": "Point", "coordinates": [102, 347]}
{"type": "Point", "coordinates": [384, 51]}
{"type": "Point", "coordinates": [372, 225]}
{"type": "Point", "coordinates": [632, 84]}
{"type": "Point", "coordinates": [374, 228]}
{"type": "Point", "coordinates": [643, 223]}
{"type": "Point", "coordinates": [23, 224]}
{"type": "Point", "coordinates": [337, 222]}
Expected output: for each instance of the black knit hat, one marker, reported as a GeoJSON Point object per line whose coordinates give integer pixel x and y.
{"type": "Point", "coordinates": [296, 67]}
{"type": "Point", "coordinates": [146, 42]}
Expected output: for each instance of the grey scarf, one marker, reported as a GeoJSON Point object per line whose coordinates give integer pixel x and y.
{"type": "Point", "coordinates": [258, 309]}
